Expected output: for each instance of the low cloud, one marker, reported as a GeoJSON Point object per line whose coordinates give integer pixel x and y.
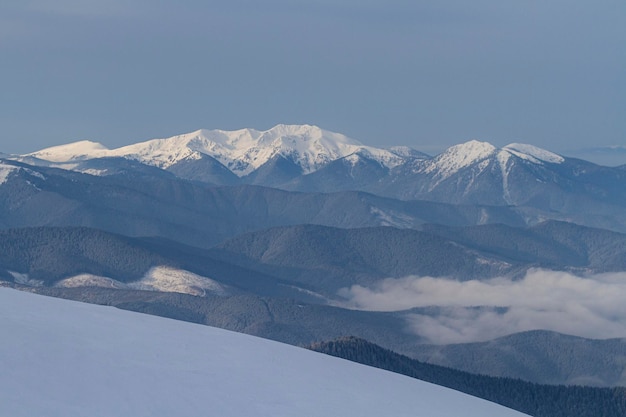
{"type": "Point", "coordinates": [474, 310]}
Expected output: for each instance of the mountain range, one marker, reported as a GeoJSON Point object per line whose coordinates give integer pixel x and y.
{"type": "Point", "coordinates": [303, 158]}
{"type": "Point", "coordinates": [277, 233]}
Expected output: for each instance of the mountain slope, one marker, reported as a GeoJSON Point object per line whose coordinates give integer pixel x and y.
{"type": "Point", "coordinates": [550, 244]}
{"type": "Point", "coordinates": [83, 257]}
{"type": "Point", "coordinates": [201, 215]}
{"type": "Point", "coordinates": [82, 359]}
{"type": "Point", "coordinates": [327, 259]}
{"type": "Point", "coordinates": [277, 318]}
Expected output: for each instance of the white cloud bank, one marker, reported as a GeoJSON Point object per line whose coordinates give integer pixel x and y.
{"type": "Point", "coordinates": [593, 307]}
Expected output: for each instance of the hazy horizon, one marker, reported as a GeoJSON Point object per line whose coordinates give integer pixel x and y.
{"type": "Point", "coordinates": [427, 75]}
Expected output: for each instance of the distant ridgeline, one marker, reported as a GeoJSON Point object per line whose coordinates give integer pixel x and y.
{"type": "Point", "coordinates": [533, 399]}
{"type": "Point", "coordinates": [307, 158]}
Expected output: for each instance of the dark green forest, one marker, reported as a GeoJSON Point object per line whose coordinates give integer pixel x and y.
{"type": "Point", "coordinates": [533, 399]}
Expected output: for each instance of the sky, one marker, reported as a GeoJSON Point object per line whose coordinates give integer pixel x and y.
{"type": "Point", "coordinates": [395, 72]}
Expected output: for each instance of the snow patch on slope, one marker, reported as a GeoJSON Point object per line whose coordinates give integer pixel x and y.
{"type": "Point", "coordinates": [504, 158]}
{"type": "Point", "coordinates": [89, 280]}
{"type": "Point", "coordinates": [5, 171]}
{"type": "Point", "coordinates": [167, 279]}
{"type": "Point", "coordinates": [160, 278]}
{"type": "Point", "coordinates": [391, 218]}
{"type": "Point", "coordinates": [66, 358]}
{"type": "Point", "coordinates": [25, 279]}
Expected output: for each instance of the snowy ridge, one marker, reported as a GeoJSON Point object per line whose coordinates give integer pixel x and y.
{"type": "Point", "coordinates": [242, 151]}
{"type": "Point", "coordinates": [77, 151]}
{"type": "Point", "coordinates": [167, 279]}
{"type": "Point", "coordinates": [533, 153]}
{"type": "Point", "coordinates": [5, 171]}
{"type": "Point", "coordinates": [70, 359]}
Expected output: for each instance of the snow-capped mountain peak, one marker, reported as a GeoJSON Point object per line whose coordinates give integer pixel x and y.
{"type": "Point", "coordinates": [242, 151]}
{"type": "Point", "coordinates": [533, 153]}
{"type": "Point", "coordinates": [460, 156]}
{"type": "Point", "coordinates": [467, 154]}
{"type": "Point", "coordinates": [76, 151]}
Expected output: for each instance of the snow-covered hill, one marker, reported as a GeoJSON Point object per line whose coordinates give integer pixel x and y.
{"type": "Point", "coordinates": [160, 278]}
{"type": "Point", "coordinates": [63, 358]}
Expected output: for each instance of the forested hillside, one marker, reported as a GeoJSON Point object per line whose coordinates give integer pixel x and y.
{"type": "Point", "coordinates": [533, 399]}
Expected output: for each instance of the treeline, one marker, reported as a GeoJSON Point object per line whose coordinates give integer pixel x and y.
{"type": "Point", "coordinates": [533, 399]}
{"type": "Point", "coordinates": [50, 254]}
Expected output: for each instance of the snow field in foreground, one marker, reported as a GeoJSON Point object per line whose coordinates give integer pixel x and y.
{"type": "Point", "coordinates": [64, 358]}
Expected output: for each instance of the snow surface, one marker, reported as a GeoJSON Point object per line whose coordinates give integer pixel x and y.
{"type": "Point", "coordinates": [242, 151]}
{"type": "Point", "coordinates": [64, 358]}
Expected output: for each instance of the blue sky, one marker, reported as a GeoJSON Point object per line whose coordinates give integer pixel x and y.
{"type": "Point", "coordinates": [420, 73]}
